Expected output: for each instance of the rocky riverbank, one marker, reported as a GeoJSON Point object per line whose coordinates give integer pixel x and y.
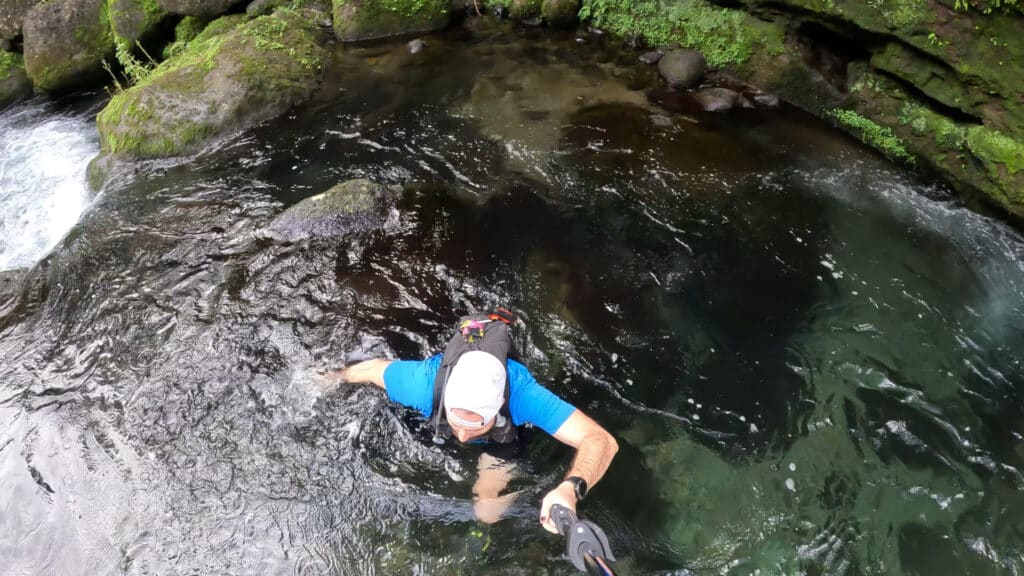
{"type": "Point", "coordinates": [933, 85]}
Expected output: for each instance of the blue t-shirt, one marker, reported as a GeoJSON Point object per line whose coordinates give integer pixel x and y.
{"type": "Point", "coordinates": [411, 382]}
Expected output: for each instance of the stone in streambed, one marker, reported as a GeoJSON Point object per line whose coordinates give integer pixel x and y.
{"type": "Point", "coordinates": [651, 57]}
{"type": "Point", "coordinates": [352, 206]}
{"type": "Point", "coordinates": [717, 99]}
{"type": "Point", "coordinates": [682, 68]}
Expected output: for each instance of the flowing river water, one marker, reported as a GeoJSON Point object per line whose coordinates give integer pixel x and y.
{"type": "Point", "coordinates": [811, 360]}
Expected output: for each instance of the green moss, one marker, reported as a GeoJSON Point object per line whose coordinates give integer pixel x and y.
{"type": "Point", "coordinates": [902, 14]}
{"type": "Point", "coordinates": [9, 61]}
{"type": "Point", "coordinates": [723, 35]}
{"type": "Point", "coordinates": [949, 136]}
{"type": "Point", "coordinates": [878, 137]}
{"type": "Point", "coordinates": [996, 149]}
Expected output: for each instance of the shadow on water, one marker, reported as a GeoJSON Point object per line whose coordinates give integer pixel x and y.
{"type": "Point", "coordinates": [808, 358]}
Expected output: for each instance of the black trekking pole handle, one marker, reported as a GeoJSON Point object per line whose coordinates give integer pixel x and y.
{"type": "Point", "coordinates": [563, 518]}
{"type": "Point", "coordinates": [586, 544]}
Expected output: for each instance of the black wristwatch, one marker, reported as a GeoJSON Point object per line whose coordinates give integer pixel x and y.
{"type": "Point", "coordinates": [579, 486]}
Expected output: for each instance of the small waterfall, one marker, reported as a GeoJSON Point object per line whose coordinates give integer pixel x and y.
{"type": "Point", "coordinates": [43, 156]}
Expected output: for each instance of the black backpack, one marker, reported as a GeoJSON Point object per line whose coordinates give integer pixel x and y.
{"type": "Point", "coordinates": [488, 333]}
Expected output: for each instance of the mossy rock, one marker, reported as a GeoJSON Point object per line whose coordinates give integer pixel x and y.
{"type": "Point", "coordinates": [560, 13]}
{"type": "Point", "coordinates": [969, 59]}
{"type": "Point", "coordinates": [14, 83]}
{"type": "Point", "coordinates": [221, 83]}
{"type": "Point", "coordinates": [133, 21]}
{"type": "Point", "coordinates": [349, 207]}
{"type": "Point", "coordinates": [12, 15]}
{"type": "Point", "coordinates": [201, 8]}
{"type": "Point", "coordinates": [974, 159]}
{"type": "Point", "coordinates": [66, 43]}
{"type": "Point", "coordinates": [356, 20]}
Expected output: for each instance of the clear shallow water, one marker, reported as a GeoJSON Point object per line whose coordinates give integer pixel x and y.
{"type": "Point", "coordinates": [44, 150]}
{"type": "Point", "coordinates": [811, 361]}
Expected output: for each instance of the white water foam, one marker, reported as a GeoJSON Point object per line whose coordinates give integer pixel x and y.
{"type": "Point", "coordinates": [43, 190]}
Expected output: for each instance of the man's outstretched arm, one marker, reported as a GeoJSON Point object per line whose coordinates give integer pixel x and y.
{"type": "Point", "coordinates": [365, 372]}
{"type": "Point", "coordinates": [595, 449]}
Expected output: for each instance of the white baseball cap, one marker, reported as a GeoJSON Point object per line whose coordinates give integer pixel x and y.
{"type": "Point", "coordinates": [476, 384]}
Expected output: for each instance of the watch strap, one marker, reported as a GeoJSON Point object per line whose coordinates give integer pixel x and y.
{"type": "Point", "coordinates": [579, 486]}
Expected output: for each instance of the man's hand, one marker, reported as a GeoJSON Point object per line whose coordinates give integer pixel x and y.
{"type": "Point", "coordinates": [327, 379]}
{"type": "Point", "coordinates": [563, 494]}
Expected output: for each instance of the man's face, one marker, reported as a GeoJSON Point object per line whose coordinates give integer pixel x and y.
{"type": "Point", "coordinates": [464, 434]}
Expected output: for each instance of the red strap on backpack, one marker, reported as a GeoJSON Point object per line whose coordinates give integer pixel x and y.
{"type": "Point", "coordinates": [503, 314]}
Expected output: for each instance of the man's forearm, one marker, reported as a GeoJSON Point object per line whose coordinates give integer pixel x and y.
{"type": "Point", "coordinates": [593, 457]}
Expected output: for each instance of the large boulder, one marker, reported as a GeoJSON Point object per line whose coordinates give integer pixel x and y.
{"type": "Point", "coordinates": [14, 83]}
{"type": "Point", "coordinates": [682, 68]}
{"type": "Point", "coordinates": [133, 21]}
{"type": "Point", "coordinates": [66, 43]}
{"type": "Point", "coordinates": [12, 14]}
{"type": "Point", "coordinates": [219, 84]}
{"type": "Point", "coordinates": [352, 206]}
{"type": "Point", "coordinates": [356, 20]}
{"type": "Point", "coordinates": [201, 8]}
{"type": "Point", "coordinates": [560, 13]}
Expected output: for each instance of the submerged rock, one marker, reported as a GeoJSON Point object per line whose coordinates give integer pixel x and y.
{"type": "Point", "coordinates": [220, 83]}
{"type": "Point", "coordinates": [14, 83]}
{"type": "Point", "coordinates": [682, 68]}
{"type": "Point", "coordinates": [352, 206]}
{"type": "Point", "coordinates": [202, 8]}
{"type": "Point", "coordinates": [356, 20]}
{"type": "Point", "coordinates": [66, 42]}
{"type": "Point", "coordinates": [12, 15]}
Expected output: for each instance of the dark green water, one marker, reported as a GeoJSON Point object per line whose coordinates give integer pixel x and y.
{"type": "Point", "coordinates": [810, 359]}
